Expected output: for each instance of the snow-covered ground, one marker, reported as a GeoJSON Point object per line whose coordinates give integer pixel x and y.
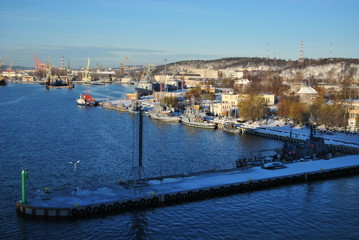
{"type": "Point", "coordinates": [279, 127]}
{"type": "Point", "coordinates": [115, 192]}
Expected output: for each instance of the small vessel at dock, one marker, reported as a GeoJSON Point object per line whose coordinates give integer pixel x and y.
{"type": "Point", "coordinates": [120, 107]}
{"type": "Point", "coordinates": [231, 127]}
{"type": "Point", "coordinates": [192, 118]}
{"type": "Point", "coordinates": [159, 113]}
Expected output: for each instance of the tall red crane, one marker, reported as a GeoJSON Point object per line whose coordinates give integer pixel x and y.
{"type": "Point", "coordinates": [39, 65]}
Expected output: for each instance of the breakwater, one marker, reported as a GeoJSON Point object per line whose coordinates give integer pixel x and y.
{"type": "Point", "coordinates": [107, 201]}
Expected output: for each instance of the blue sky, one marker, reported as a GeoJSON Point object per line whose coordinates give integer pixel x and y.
{"type": "Point", "coordinates": [149, 31]}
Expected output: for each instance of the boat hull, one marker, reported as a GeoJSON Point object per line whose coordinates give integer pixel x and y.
{"type": "Point", "coordinates": [164, 118]}
{"type": "Point", "coordinates": [199, 124]}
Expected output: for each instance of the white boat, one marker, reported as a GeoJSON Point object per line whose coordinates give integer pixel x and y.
{"type": "Point", "coordinates": [159, 113]}
{"type": "Point", "coordinates": [164, 117]}
{"type": "Point", "coordinates": [193, 119]}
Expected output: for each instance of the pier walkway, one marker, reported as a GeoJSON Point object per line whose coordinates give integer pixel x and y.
{"type": "Point", "coordinates": [283, 134]}
{"type": "Point", "coordinates": [115, 198]}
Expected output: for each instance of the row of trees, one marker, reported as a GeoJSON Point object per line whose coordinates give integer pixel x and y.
{"type": "Point", "coordinates": [253, 107]}
{"type": "Point", "coordinates": [333, 115]}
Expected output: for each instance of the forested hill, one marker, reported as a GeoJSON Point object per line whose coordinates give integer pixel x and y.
{"type": "Point", "coordinates": [318, 68]}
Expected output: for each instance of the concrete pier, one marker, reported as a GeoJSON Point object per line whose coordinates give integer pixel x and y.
{"type": "Point", "coordinates": [342, 147]}
{"type": "Point", "coordinates": [114, 199]}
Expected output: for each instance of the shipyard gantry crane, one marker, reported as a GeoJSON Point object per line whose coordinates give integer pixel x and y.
{"type": "Point", "coordinates": [39, 65]}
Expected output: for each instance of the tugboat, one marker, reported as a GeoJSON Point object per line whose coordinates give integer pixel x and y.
{"type": "Point", "coordinates": [86, 100]}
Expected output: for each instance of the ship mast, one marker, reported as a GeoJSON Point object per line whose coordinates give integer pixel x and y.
{"type": "Point", "coordinates": [137, 176]}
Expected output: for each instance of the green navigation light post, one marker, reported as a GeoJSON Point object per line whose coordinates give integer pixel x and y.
{"type": "Point", "coordinates": [24, 177]}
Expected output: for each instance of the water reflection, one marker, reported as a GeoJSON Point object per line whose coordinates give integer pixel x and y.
{"type": "Point", "coordinates": [139, 226]}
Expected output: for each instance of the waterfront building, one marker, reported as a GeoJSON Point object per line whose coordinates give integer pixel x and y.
{"type": "Point", "coordinates": [221, 109]}
{"type": "Point", "coordinates": [27, 78]}
{"type": "Point", "coordinates": [353, 121]}
{"type": "Point", "coordinates": [353, 111]}
{"type": "Point", "coordinates": [158, 96]}
{"type": "Point", "coordinates": [234, 99]}
{"type": "Point", "coordinates": [132, 96]}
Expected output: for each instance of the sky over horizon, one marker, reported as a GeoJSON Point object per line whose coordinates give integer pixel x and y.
{"type": "Point", "coordinates": [150, 31]}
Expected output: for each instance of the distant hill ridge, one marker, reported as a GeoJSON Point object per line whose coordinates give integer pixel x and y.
{"type": "Point", "coordinates": [324, 68]}
{"type": "Point", "coordinates": [246, 62]}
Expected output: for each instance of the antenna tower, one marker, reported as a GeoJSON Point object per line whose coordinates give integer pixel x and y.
{"type": "Point", "coordinates": [62, 62]}
{"type": "Point", "coordinates": [301, 53]}
{"type": "Point", "coordinates": [330, 51]}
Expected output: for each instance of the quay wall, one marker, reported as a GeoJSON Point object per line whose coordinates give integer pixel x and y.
{"type": "Point", "coordinates": [177, 197]}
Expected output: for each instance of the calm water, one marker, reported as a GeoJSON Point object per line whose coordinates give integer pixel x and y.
{"type": "Point", "coordinates": [43, 130]}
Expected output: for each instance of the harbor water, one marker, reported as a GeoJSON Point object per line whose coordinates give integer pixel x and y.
{"type": "Point", "coordinates": [44, 130]}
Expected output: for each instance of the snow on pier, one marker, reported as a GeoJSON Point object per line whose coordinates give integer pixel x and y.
{"type": "Point", "coordinates": [115, 198]}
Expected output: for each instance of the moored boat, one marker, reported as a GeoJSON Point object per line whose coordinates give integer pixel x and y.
{"type": "Point", "coordinates": [164, 117]}
{"type": "Point", "coordinates": [193, 119]}
{"type": "Point", "coordinates": [231, 127]}
{"type": "Point", "coordinates": [59, 84]}
{"type": "Point", "coordinates": [120, 107]}
{"type": "Point", "coordinates": [107, 105]}
{"type": "Point", "coordinates": [161, 113]}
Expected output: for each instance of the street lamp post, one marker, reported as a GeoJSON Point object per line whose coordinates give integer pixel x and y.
{"type": "Point", "coordinates": [75, 164]}
{"type": "Point", "coordinates": [74, 181]}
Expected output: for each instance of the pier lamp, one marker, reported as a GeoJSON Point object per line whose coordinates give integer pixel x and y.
{"type": "Point", "coordinates": [75, 164]}
{"type": "Point", "coordinates": [74, 181]}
